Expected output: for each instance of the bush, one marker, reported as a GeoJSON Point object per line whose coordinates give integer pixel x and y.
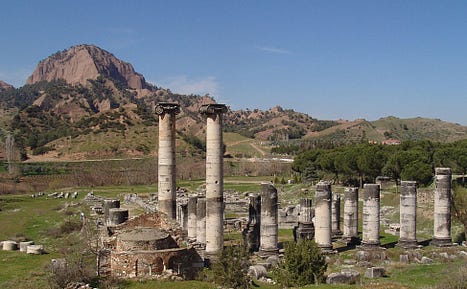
{"type": "Point", "coordinates": [303, 264]}
{"type": "Point", "coordinates": [231, 270]}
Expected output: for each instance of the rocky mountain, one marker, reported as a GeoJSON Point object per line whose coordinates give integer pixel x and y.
{"type": "Point", "coordinates": [84, 102]}
{"type": "Point", "coordinates": [82, 62]}
{"type": "Point", "coordinates": [5, 86]}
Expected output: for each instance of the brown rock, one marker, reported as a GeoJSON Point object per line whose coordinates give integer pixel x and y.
{"type": "Point", "coordinates": [82, 62]}
{"type": "Point", "coordinates": [5, 86]}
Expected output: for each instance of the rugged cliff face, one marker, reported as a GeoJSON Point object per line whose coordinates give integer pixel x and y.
{"type": "Point", "coordinates": [82, 62]}
{"type": "Point", "coordinates": [5, 86]}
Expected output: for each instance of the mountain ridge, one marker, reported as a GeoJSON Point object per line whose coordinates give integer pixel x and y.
{"type": "Point", "coordinates": [85, 91]}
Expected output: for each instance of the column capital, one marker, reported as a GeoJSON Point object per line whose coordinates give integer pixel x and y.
{"type": "Point", "coordinates": [167, 107]}
{"type": "Point", "coordinates": [213, 108]}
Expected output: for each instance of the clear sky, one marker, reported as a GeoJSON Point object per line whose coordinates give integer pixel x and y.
{"type": "Point", "coordinates": [329, 59]}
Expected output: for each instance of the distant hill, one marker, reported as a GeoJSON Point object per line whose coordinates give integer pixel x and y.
{"type": "Point", "coordinates": [83, 103]}
{"type": "Point", "coordinates": [393, 128]}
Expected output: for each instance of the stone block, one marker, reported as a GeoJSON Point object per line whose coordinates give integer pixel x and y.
{"type": "Point", "coordinates": [426, 260]}
{"type": "Point", "coordinates": [257, 271]}
{"type": "Point", "coordinates": [375, 272]}
{"type": "Point", "coordinates": [10, 246]}
{"type": "Point", "coordinates": [344, 277]}
{"type": "Point", "coordinates": [404, 258]}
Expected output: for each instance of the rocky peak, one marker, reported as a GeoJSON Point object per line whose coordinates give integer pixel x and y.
{"type": "Point", "coordinates": [5, 86]}
{"type": "Point", "coordinates": [82, 62]}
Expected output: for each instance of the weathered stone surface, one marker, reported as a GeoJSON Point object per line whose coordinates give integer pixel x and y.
{"type": "Point", "coordinates": [371, 215]}
{"type": "Point", "coordinates": [251, 233]}
{"type": "Point", "coordinates": [336, 215]}
{"type": "Point", "coordinates": [35, 249]}
{"type": "Point", "coordinates": [408, 215]}
{"type": "Point", "coordinates": [166, 179]}
{"type": "Point", "coordinates": [82, 62]}
{"type": "Point", "coordinates": [351, 215]}
{"type": "Point", "coordinates": [257, 271]}
{"type": "Point", "coordinates": [323, 215]}
{"type": "Point", "coordinates": [269, 220]}
{"type": "Point", "coordinates": [214, 177]}
{"type": "Point", "coordinates": [10, 245]}
{"type": "Point", "coordinates": [24, 245]}
{"type": "Point", "coordinates": [375, 272]}
{"type": "Point", "coordinates": [426, 260]}
{"type": "Point", "coordinates": [442, 208]}
{"type": "Point", "coordinates": [344, 277]}
{"type": "Point", "coordinates": [404, 258]}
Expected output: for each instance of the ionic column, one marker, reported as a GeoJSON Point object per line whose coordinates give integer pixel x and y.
{"type": "Point", "coordinates": [351, 215]}
{"type": "Point", "coordinates": [336, 215]}
{"type": "Point", "coordinates": [214, 178]}
{"type": "Point", "coordinates": [192, 228]}
{"type": "Point", "coordinates": [269, 220]}
{"type": "Point", "coordinates": [201, 221]}
{"type": "Point", "coordinates": [408, 215]}
{"type": "Point", "coordinates": [323, 216]}
{"type": "Point", "coordinates": [371, 201]}
{"type": "Point", "coordinates": [166, 158]}
{"type": "Point", "coordinates": [442, 208]}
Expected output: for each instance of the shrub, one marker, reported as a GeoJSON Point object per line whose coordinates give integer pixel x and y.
{"type": "Point", "coordinates": [303, 264]}
{"type": "Point", "coordinates": [231, 270]}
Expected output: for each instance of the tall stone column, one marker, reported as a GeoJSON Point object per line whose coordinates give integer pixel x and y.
{"type": "Point", "coordinates": [371, 218]}
{"type": "Point", "coordinates": [408, 215]}
{"type": "Point", "coordinates": [336, 215]}
{"type": "Point", "coordinates": [323, 216]}
{"type": "Point", "coordinates": [166, 158]}
{"type": "Point", "coordinates": [269, 220]}
{"type": "Point", "coordinates": [192, 201]}
{"type": "Point", "coordinates": [351, 215]}
{"type": "Point", "coordinates": [214, 178]}
{"type": "Point", "coordinates": [442, 208]}
{"type": "Point", "coordinates": [305, 228]}
{"type": "Point", "coordinates": [201, 221]}
{"type": "Point", "coordinates": [251, 232]}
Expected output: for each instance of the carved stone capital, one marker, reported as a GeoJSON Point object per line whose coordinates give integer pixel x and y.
{"type": "Point", "coordinates": [167, 108]}
{"type": "Point", "coordinates": [214, 108]}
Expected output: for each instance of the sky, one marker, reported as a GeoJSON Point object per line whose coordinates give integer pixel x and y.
{"type": "Point", "coordinates": [330, 59]}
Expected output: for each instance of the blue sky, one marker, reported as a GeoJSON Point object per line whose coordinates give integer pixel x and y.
{"type": "Point", "coordinates": [329, 59]}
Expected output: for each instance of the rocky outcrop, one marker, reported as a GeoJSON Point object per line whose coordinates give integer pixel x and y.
{"type": "Point", "coordinates": [5, 86]}
{"type": "Point", "coordinates": [82, 62]}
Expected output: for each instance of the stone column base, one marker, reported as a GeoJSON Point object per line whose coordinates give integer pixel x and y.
{"type": "Point", "coordinates": [441, 242]}
{"type": "Point", "coordinates": [336, 234]}
{"type": "Point", "coordinates": [370, 245]}
{"type": "Point", "coordinates": [408, 244]}
{"type": "Point", "coordinates": [351, 240]}
{"type": "Point", "coordinates": [264, 253]}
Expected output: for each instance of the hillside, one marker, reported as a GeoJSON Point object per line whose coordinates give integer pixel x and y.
{"type": "Point", "coordinates": [392, 128]}
{"type": "Point", "coordinates": [84, 103]}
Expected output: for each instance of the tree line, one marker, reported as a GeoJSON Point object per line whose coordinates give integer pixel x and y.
{"type": "Point", "coordinates": [362, 163]}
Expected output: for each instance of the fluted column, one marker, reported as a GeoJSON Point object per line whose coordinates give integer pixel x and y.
{"type": "Point", "coordinates": [305, 228]}
{"type": "Point", "coordinates": [201, 222]}
{"type": "Point", "coordinates": [166, 158]}
{"type": "Point", "coordinates": [192, 218]}
{"type": "Point", "coordinates": [336, 215]}
{"type": "Point", "coordinates": [371, 218]}
{"type": "Point", "coordinates": [214, 177]}
{"type": "Point", "coordinates": [269, 220]}
{"type": "Point", "coordinates": [351, 215]}
{"type": "Point", "coordinates": [442, 208]}
{"type": "Point", "coordinates": [408, 215]}
{"type": "Point", "coordinates": [323, 215]}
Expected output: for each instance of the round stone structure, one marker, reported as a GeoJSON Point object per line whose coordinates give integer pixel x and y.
{"type": "Point", "coordinates": [144, 239]}
{"type": "Point", "coordinates": [117, 216]}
